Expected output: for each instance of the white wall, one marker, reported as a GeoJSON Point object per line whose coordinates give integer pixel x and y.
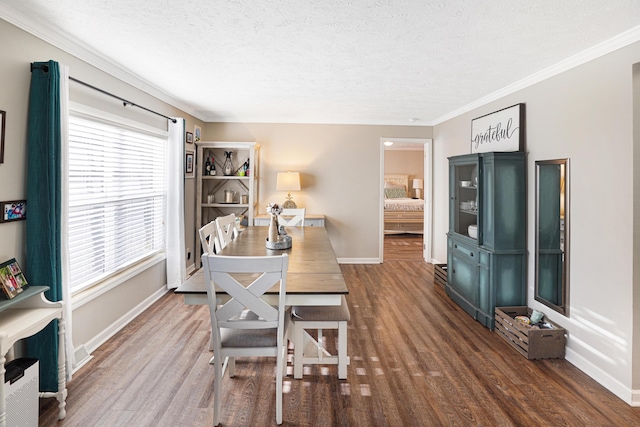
{"type": "Point", "coordinates": [584, 114]}
{"type": "Point", "coordinates": [636, 229]}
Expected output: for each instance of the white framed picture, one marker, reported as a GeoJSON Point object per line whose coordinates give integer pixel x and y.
{"type": "Point", "coordinates": [502, 130]}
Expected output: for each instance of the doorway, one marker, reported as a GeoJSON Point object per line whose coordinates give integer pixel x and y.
{"type": "Point", "coordinates": [411, 159]}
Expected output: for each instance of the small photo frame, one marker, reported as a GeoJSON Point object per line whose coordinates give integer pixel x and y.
{"type": "Point", "coordinates": [15, 210]}
{"type": "Point", "coordinates": [189, 164]}
{"type": "Point", "coordinates": [12, 281]}
{"type": "Point", "coordinates": [3, 119]}
{"type": "Point", "coordinates": [189, 137]}
{"type": "Point", "coordinates": [198, 133]}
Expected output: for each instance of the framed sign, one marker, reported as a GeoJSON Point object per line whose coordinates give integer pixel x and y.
{"type": "Point", "coordinates": [502, 130]}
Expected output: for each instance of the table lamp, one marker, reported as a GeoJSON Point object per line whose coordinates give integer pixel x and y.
{"type": "Point", "coordinates": [288, 181]}
{"type": "Point", "coordinates": [417, 185]}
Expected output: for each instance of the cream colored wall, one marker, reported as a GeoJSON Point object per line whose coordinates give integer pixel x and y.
{"type": "Point", "coordinates": [410, 162]}
{"type": "Point", "coordinates": [584, 114]}
{"type": "Point", "coordinates": [17, 51]}
{"type": "Point", "coordinates": [636, 226]}
{"type": "Point", "coordinates": [340, 174]}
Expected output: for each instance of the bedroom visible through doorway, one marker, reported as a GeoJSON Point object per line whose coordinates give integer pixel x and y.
{"type": "Point", "coordinates": [405, 199]}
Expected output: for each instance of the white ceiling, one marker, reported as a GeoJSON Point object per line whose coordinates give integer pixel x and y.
{"type": "Point", "coordinates": [411, 62]}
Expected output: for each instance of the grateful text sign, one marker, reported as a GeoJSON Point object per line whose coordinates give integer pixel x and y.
{"type": "Point", "coordinates": [499, 131]}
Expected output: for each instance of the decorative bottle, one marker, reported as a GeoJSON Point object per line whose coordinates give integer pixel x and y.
{"type": "Point", "coordinates": [273, 229]}
{"type": "Point", "coordinates": [227, 168]}
{"type": "Point", "coordinates": [213, 166]}
{"type": "Point", "coordinates": [207, 167]}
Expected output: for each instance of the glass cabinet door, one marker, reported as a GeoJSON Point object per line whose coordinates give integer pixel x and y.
{"type": "Point", "coordinates": [465, 198]}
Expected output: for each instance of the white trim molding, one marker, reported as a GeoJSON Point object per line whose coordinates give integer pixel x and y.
{"type": "Point", "coordinates": [84, 351]}
{"type": "Point", "coordinates": [601, 49]}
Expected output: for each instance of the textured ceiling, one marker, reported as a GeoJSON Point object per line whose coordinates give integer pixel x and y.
{"type": "Point", "coordinates": [411, 62]}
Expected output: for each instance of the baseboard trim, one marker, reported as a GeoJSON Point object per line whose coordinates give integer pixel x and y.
{"type": "Point", "coordinates": [358, 260]}
{"type": "Point", "coordinates": [627, 394]}
{"type": "Point", "coordinates": [90, 346]}
{"type": "Point", "coordinates": [82, 357]}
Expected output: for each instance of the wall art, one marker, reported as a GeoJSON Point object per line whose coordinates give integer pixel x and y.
{"type": "Point", "coordinates": [502, 130]}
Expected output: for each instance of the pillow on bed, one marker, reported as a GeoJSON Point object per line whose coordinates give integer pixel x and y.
{"type": "Point", "coordinates": [395, 193]}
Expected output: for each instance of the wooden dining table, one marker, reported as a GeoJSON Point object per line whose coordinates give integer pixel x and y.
{"type": "Point", "coordinates": [313, 278]}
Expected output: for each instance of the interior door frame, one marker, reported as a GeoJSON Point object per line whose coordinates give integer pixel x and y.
{"type": "Point", "coordinates": [428, 194]}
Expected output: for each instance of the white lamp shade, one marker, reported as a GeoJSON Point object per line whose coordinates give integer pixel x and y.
{"type": "Point", "coordinates": [288, 181]}
{"type": "Point", "coordinates": [417, 183]}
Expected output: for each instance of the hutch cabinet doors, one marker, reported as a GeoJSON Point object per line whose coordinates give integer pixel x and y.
{"type": "Point", "coordinates": [486, 242]}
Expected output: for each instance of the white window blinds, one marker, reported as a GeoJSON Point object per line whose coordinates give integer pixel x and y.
{"type": "Point", "coordinates": [116, 198]}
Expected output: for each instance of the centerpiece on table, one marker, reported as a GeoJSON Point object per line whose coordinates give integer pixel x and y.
{"type": "Point", "coordinates": [277, 238]}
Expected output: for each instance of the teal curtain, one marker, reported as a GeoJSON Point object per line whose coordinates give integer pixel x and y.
{"type": "Point", "coordinates": [43, 263]}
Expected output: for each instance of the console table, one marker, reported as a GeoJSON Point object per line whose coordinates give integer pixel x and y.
{"type": "Point", "coordinates": [310, 220]}
{"type": "Point", "coordinates": [24, 316]}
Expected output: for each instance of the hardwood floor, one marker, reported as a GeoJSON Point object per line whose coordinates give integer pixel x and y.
{"type": "Point", "coordinates": [416, 360]}
{"type": "Point", "coordinates": [403, 247]}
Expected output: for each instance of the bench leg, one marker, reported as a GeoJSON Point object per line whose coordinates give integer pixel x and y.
{"type": "Point", "coordinates": [343, 359]}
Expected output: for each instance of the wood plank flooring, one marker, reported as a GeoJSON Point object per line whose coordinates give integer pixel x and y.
{"type": "Point", "coordinates": [403, 247]}
{"type": "Point", "coordinates": [416, 360]}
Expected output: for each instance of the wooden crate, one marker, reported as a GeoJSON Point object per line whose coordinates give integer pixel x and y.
{"type": "Point", "coordinates": [440, 274]}
{"type": "Point", "coordinates": [531, 343]}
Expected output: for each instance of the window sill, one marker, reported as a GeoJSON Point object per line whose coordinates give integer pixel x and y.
{"type": "Point", "coordinates": [87, 295]}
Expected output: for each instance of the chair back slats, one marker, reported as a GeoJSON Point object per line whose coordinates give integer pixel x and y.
{"type": "Point", "coordinates": [223, 272]}
{"type": "Point", "coordinates": [292, 217]}
{"type": "Point", "coordinates": [208, 236]}
{"type": "Point", "coordinates": [248, 297]}
{"type": "Point", "coordinates": [227, 230]}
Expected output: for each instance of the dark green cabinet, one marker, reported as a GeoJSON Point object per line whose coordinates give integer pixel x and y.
{"type": "Point", "coordinates": [487, 268]}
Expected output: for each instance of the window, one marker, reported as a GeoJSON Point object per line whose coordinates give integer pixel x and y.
{"type": "Point", "coordinates": [116, 197]}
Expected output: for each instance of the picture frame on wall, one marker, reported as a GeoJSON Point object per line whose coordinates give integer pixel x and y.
{"type": "Point", "coordinates": [189, 164]}
{"type": "Point", "coordinates": [15, 210]}
{"type": "Point", "coordinates": [3, 115]}
{"type": "Point", "coordinates": [502, 130]}
{"type": "Point", "coordinates": [12, 280]}
{"type": "Point", "coordinates": [189, 138]}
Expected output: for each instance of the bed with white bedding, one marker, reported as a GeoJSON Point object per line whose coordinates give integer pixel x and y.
{"type": "Point", "coordinates": [402, 214]}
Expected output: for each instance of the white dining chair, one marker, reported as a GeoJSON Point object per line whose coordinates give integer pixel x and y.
{"type": "Point", "coordinates": [246, 325]}
{"type": "Point", "coordinates": [292, 217]}
{"type": "Point", "coordinates": [310, 351]}
{"type": "Point", "coordinates": [208, 237]}
{"type": "Point", "coordinates": [209, 241]}
{"type": "Point", "coordinates": [227, 230]}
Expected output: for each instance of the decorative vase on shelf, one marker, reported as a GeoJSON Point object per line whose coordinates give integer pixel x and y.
{"type": "Point", "coordinates": [227, 168]}
{"type": "Point", "coordinates": [273, 229]}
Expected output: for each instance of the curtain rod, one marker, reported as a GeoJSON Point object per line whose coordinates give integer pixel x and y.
{"type": "Point", "coordinates": [125, 102]}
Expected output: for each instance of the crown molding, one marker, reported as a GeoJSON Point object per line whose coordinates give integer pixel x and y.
{"type": "Point", "coordinates": [84, 53]}
{"type": "Point", "coordinates": [601, 49]}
